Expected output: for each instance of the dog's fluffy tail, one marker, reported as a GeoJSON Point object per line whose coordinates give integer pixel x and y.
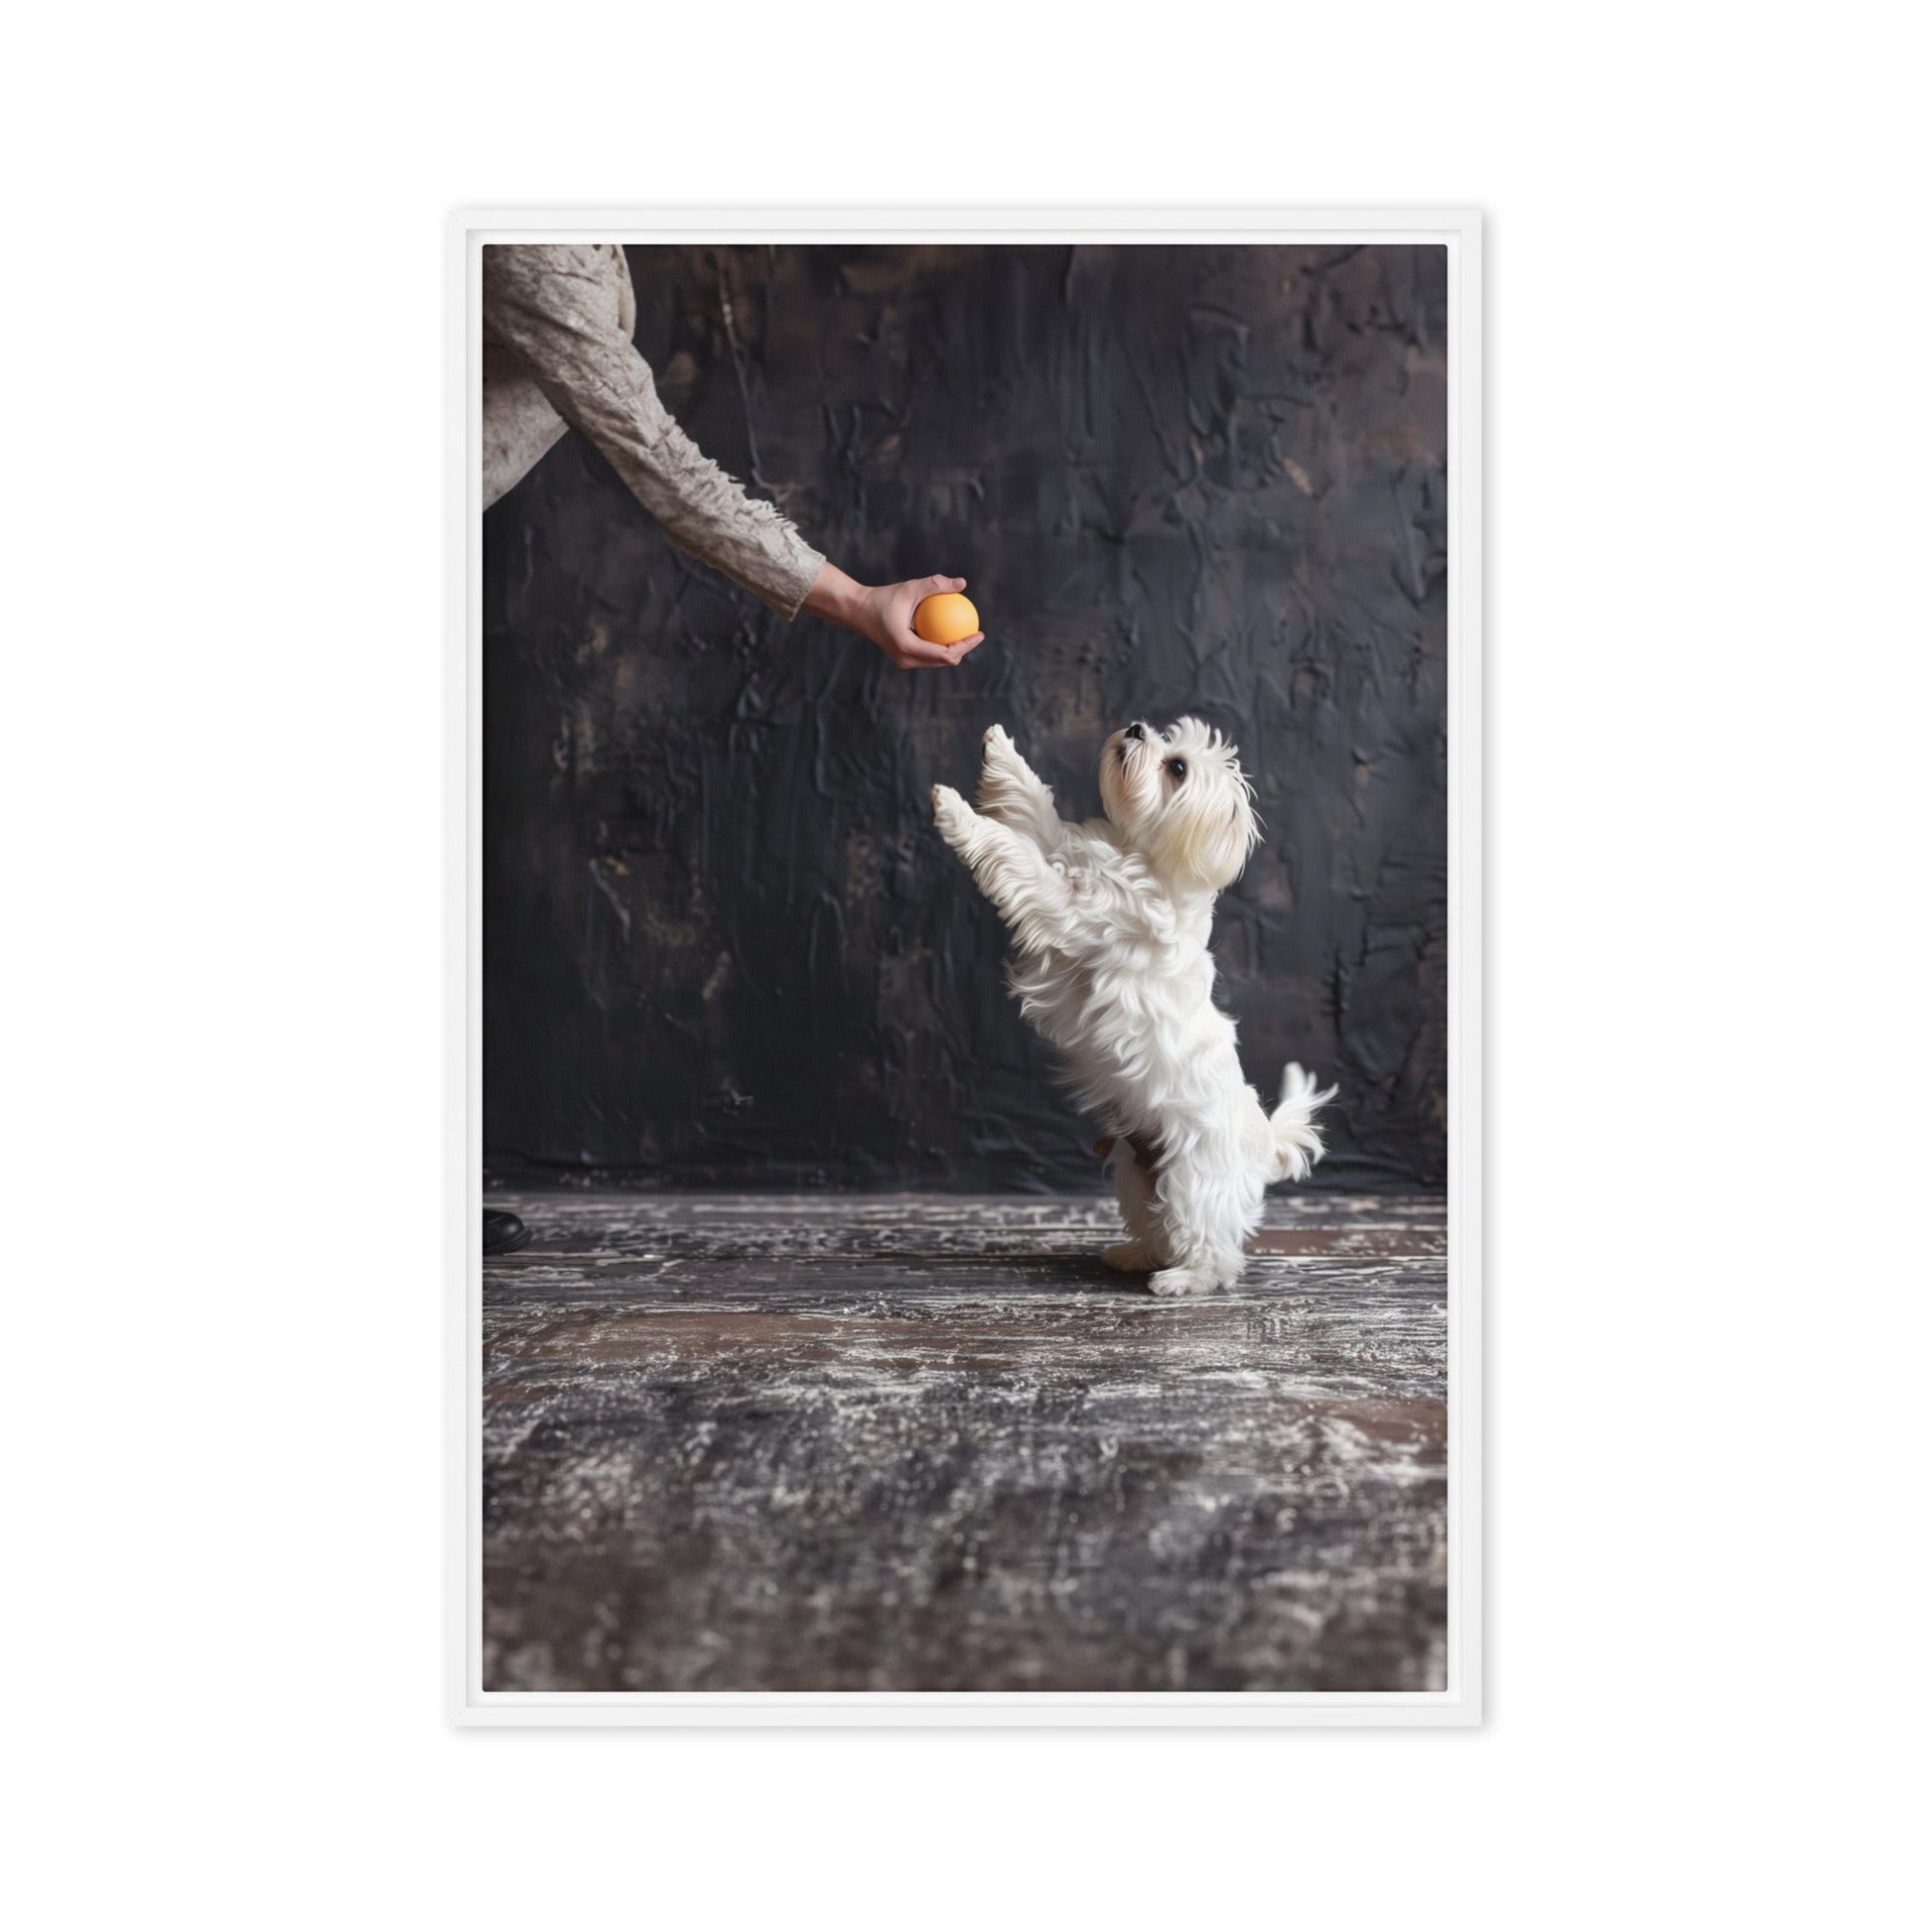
{"type": "Point", "coordinates": [1297, 1142]}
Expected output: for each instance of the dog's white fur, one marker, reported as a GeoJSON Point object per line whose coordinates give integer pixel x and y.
{"type": "Point", "coordinates": [1111, 920]}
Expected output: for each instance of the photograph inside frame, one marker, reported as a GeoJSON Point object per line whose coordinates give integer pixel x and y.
{"type": "Point", "coordinates": [965, 929]}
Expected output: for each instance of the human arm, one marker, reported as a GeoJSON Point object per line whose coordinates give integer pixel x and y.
{"type": "Point", "coordinates": [560, 312]}
{"type": "Point", "coordinates": [563, 313]}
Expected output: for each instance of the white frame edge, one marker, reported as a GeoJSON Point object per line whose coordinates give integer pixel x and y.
{"type": "Point", "coordinates": [1457, 230]}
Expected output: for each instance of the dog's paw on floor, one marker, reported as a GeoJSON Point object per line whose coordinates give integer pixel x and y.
{"type": "Point", "coordinates": [1185, 1280]}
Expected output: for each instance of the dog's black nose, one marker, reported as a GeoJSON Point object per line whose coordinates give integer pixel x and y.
{"type": "Point", "coordinates": [1137, 730]}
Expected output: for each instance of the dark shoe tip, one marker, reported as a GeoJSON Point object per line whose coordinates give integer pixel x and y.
{"type": "Point", "coordinates": [503, 1233]}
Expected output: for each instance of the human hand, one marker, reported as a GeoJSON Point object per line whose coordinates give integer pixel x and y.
{"type": "Point", "coordinates": [885, 615]}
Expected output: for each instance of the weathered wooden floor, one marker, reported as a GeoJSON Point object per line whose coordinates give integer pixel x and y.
{"type": "Point", "coordinates": [929, 1443]}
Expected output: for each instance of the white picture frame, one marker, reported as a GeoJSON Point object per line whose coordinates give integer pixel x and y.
{"type": "Point", "coordinates": [1458, 230]}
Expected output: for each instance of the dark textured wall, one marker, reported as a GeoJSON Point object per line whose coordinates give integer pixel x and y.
{"type": "Point", "coordinates": [723, 943]}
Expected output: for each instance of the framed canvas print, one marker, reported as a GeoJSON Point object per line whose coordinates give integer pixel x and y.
{"type": "Point", "coordinates": [965, 967]}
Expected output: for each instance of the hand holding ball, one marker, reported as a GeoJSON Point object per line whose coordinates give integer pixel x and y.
{"type": "Point", "coordinates": [945, 618]}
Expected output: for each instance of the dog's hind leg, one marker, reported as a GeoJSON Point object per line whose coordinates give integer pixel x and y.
{"type": "Point", "coordinates": [1010, 793]}
{"type": "Point", "coordinates": [1142, 1251]}
{"type": "Point", "coordinates": [1205, 1215]}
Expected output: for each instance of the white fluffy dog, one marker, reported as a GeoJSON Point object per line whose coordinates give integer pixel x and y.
{"type": "Point", "coordinates": [1111, 919]}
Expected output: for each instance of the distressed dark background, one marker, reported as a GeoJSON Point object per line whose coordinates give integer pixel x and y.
{"type": "Point", "coordinates": [723, 943]}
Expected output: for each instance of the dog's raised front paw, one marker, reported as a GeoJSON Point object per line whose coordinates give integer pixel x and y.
{"type": "Point", "coordinates": [950, 812]}
{"type": "Point", "coordinates": [1001, 766]}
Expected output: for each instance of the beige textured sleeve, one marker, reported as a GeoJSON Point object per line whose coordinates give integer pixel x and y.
{"type": "Point", "coordinates": [559, 310]}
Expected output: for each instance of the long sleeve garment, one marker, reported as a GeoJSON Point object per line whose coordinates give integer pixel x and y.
{"type": "Point", "coordinates": [558, 355]}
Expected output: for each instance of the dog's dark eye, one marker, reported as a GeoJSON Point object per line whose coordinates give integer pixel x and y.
{"type": "Point", "coordinates": [1178, 767]}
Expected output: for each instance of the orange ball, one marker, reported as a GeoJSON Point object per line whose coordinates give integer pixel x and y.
{"type": "Point", "coordinates": [945, 618]}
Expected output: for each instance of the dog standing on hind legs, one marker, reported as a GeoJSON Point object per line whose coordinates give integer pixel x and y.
{"type": "Point", "coordinates": [1111, 919]}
